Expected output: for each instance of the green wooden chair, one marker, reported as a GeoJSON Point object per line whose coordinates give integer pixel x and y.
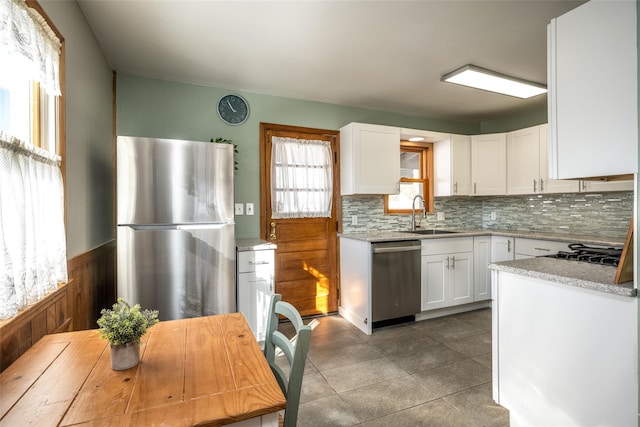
{"type": "Point", "coordinates": [295, 350]}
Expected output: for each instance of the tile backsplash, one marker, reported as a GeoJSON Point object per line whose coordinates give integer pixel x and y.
{"type": "Point", "coordinates": [605, 214]}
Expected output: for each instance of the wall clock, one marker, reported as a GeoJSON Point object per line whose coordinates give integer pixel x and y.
{"type": "Point", "coordinates": [233, 109]}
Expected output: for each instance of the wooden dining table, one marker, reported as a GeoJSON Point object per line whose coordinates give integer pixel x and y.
{"type": "Point", "coordinates": [204, 371]}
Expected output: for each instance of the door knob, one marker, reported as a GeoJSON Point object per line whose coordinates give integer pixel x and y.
{"type": "Point", "coordinates": [272, 235]}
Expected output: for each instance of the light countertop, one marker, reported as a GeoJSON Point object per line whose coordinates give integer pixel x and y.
{"type": "Point", "coordinates": [597, 277]}
{"type": "Point", "coordinates": [254, 244]}
{"type": "Point", "coordinates": [380, 236]}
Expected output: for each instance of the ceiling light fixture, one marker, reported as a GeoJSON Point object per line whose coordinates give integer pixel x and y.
{"type": "Point", "coordinates": [481, 78]}
{"type": "Point", "coordinates": [416, 138]}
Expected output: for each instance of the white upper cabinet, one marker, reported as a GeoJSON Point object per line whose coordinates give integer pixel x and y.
{"type": "Point", "coordinates": [527, 164]}
{"type": "Point", "coordinates": [452, 166]}
{"type": "Point", "coordinates": [369, 159]}
{"type": "Point", "coordinates": [592, 77]}
{"type": "Point", "coordinates": [523, 161]}
{"type": "Point", "coordinates": [489, 164]}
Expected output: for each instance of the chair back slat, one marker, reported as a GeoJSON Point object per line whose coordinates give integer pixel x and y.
{"type": "Point", "coordinates": [295, 350]}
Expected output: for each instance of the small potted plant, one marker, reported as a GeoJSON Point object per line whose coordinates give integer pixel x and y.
{"type": "Point", "coordinates": [123, 326]}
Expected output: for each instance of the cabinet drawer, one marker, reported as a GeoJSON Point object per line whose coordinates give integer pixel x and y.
{"type": "Point", "coordinates": [447, 246]}
{"type": "Point", "coordinates": [535, 247]}
{"type": "Point", "coordinates": [249, 261]}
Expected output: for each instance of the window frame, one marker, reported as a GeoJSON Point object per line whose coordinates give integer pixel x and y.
{"type": "Point", "coordinates": [425, 149]}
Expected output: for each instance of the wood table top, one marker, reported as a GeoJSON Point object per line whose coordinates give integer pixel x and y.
{"type": "Point", "coordinates": [205, 371]}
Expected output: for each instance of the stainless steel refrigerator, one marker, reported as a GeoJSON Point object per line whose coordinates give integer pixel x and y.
{"type": "Point", "coordinates": [176, 231]}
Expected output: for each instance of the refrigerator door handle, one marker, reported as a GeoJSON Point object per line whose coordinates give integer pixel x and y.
{"type": "Point", "coordinates": [186, 227]}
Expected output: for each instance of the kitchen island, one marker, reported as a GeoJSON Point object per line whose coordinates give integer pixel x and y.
{"type": "Point", "coordinates": [564, 343]}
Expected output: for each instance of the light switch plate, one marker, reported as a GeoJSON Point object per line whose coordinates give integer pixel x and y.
{"type": "Point", "coordinates": [249, 209]}
{"type": "Point", "coordinates": [239, 209]}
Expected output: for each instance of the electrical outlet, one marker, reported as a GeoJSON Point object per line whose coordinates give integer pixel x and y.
{"type": "Point", "coordinates": [239, 209]}
{"type": "Point", "coordinates": [354, 219]}
{"type": "Point", "coordinates": [493, 216]}
{"type": "Point", "coordinates": [439, 216]}
{"type": "Point", "coordinates": [249, 209]}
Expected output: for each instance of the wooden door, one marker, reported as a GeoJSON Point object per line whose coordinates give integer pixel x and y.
{"type": "Point", "coordinates": [306, 258]}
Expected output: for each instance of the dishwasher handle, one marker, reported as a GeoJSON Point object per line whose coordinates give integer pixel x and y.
{"type": "Point", "coordinates": [389, 249]}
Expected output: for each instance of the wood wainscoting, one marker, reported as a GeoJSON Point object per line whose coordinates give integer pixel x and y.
{"type": "Point", "coordinates": [72, 307]}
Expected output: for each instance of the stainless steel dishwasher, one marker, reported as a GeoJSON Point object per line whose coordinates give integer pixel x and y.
{"type": "Point", "coordinates": [395, 281]}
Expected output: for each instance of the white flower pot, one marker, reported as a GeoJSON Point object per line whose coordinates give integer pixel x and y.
{"type": "Point", "coordinates": [125, 356]}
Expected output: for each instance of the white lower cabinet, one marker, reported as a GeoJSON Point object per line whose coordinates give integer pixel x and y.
{"type": "Point", "coordinates": [531, 248]}
{"type": "Point", "coordinates": [502, 248]}
{"type": "Point", "coordinates": [447, 272]}
{"type": "Point", "coordinates": [481, 272]}
{"type": "Point", "coordinates": [255, 288]}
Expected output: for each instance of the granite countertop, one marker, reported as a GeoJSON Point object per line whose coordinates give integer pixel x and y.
{"type": "Point", "coordinates": [254, 244]}
{"type": "Point", "coordinates": [380, 236]}
{"type": "Point", "coordinates": [597, 277]}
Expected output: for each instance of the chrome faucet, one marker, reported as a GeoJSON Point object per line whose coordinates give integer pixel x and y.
{"type": "Point", "coordinates": [413, 211]}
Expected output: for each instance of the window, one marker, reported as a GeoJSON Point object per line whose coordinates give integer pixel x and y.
{"type": "Point", "coordinates": [416, 178]}
{"type": "Point", "coordinates": [33, 258]}
{"type": "Point", "coordinates": [31, 113]}
{"type": "Point", "coordinates": [302, 178]}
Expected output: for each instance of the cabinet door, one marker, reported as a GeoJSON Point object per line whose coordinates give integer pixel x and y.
{"type": "Point", "coordinates": [593, 90]}
{"type": "Point", "coordinates": [489, 164]}
{"type": "Point", "coordinates": [460, 165]}
{"type": "Point", "coordinates": [434, 281]}
{"type": "Point", "coordinates": [461, 281]}
{"type": "Point", "coordinates": [370, 159]}
{"type": "Point", "coordinates": [502, 249]}
{"type": "Point", "coordinates": [452, 166]}
{"type": "Point", "coordinates": [254, 296]}
{"type": "Point", "coordinates": [481, 272]}
{"type": "Point", "coordinates": [590, 186]}
{"type": "Point", "coordinates": [523, 161]}
{"type": "Point", "coordinates": [548, 185]}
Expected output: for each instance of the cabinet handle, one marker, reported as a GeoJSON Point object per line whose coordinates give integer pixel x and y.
{"type": "Point", "coordinates": [541, 185]}
{"type": "Point", "coordinates": [453, 262]}
{"type": "Point", "coordinates": [508, 245]}
{"type": "Point", "coordinates": [253, 262]}
{"type": "Point", "coordinates": [447, 263]}
{"type": "Point", "coordinates": [543, 249]}
{"type": "Point", "coordinates": [474, 188]}
{"type": "Point", "coordinates": [455, 188]}
{"type": "Point", "coordinates": [272, 236]}
{"type": "Point", "coordinates": [584, 185]}
{"type": "Point", "coordinates": [535, 184]}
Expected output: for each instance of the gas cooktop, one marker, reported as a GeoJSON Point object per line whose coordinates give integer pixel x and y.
{"type": "Point", "coordinates": [591, 254]}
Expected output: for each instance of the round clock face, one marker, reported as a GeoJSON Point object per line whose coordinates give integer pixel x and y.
{"type": "Point", "coordinates": [233, 109]}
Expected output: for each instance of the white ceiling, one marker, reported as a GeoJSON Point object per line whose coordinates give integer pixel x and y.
{"type": "Point", "coordinates": [382, 55]}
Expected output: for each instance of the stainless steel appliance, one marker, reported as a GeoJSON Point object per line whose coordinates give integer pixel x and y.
{"type": "Point", "coordinates": [395, 281]}
{"type": "Point", "coordinates": [176, 231]}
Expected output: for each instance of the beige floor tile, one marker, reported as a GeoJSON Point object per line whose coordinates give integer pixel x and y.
{"type": "Point", "coordinates": [362, 374]}
{"type": "Point", "coordinates": [477, 404]}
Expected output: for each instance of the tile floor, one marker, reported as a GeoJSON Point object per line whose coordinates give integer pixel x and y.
{"type": "Point", "coordinates": [429, 373]}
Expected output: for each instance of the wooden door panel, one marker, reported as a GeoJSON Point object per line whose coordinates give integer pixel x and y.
{"type": "Point", "coordinates": [295, 260]}
{"type": "Point", "coordinates": [306, 258]}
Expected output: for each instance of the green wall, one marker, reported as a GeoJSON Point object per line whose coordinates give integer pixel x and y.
{"type": "Point", "coordinates": [157, 108]}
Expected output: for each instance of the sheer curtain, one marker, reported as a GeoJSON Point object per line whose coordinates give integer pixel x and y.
{"type": "Point", "coordinates": [29, 49]}
{"type": "Point", "coordinates": [33, 256]}
{"type": "Point", "coordinates": [301, 178]}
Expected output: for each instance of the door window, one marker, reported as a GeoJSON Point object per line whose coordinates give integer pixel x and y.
{"type": "Point", "coordinates": [302, 178]}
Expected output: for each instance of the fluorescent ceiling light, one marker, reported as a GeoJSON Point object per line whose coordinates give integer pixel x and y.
{"type": "Point", "coordinates": [416, 138]}
{"type": "Point", "coordinates": [480, 78]}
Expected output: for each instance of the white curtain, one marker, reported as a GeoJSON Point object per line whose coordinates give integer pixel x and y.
{"type": "Point", "coordinates": [301, 178]}
{"type": "Point", "coordinates": [29, 49]}
{"type": "Point", "coordinates": [33, 258]}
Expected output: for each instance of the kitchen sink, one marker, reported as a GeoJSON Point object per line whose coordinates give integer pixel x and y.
{"type": "Point", "coordinates": [431, 231]}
